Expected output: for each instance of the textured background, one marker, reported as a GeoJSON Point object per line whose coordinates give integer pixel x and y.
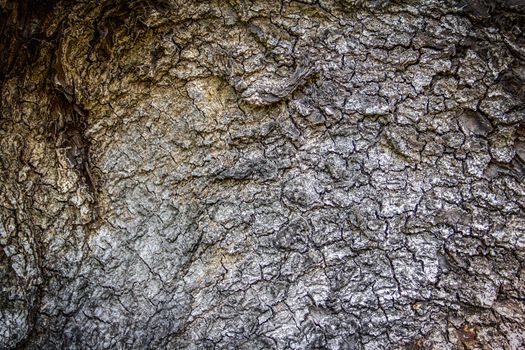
{"type": "Point", "coordinates": [262, 174]}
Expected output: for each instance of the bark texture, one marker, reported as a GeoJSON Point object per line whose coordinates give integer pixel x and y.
{"type": "Point", "coordinates": [260, 174]}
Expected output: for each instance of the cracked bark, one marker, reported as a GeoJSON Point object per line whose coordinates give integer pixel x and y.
{"type": "Point", "coordinates": [253, 174]}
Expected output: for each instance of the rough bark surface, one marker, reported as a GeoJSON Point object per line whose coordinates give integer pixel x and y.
{"type": "Point", "coordinates": [259, 174]}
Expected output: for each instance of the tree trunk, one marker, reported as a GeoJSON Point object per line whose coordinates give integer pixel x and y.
{"type": "Point", "coordinates": [335, 174]}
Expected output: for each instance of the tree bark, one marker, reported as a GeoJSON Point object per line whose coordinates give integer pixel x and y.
{"type": "Point", "coordinates": [336, 174]}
